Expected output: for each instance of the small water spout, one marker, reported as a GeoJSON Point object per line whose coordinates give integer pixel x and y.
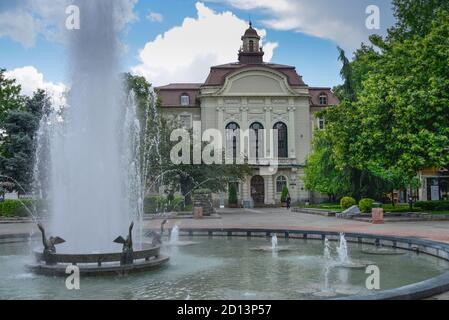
{"type": "Point", "coordinates": [274, 242]}
{"type": "Point", "coordinates": [342, 249]}
{"type": "Point", "coordinates": [327, 251]}
{"type": "Point", "coordinates": [174, 235]}
{"type": "Point", "coordinates": [327, 263]}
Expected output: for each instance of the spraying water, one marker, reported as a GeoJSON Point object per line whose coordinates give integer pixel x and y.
{"type": "Point", "coordinates": [327, 263]}
{"type": "Point", "coordinates": [95, 185]}
{"type": "Point", "coordinates": [274, 242]}
{"type": "Point", "coordinates": [174, 235]}
{"type": "Point", "coordinates": [342, 249]}
{"type": "Point", "coordinates": [327, 251]}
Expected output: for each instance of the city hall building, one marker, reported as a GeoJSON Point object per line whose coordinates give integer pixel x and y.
{"type": "Point", "coordinates": [254, 95]}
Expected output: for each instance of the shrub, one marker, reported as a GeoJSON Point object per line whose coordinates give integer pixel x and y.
{"type": "Point", "coordinates": [347, 202]}
{"type": "Point", "coordinates": [157, 204]}
{"type": "Point", "coordinates": [284, 194]}
{"type": "Point", "coordinates": [433, 205]}
{"type": "Point", "coordinates": [366, 205]}
{"type": "Point", "coordinates": [15, 208]}
{"type": "Point", "coordinates": [232, 197]}
{"type": "Point", "coordinates": [152, 204]}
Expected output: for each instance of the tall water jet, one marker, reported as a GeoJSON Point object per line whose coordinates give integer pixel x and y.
{"type": "Point", "coordinates": [90, 154]}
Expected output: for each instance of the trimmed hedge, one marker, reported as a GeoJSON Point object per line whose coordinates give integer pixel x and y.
{"type": "Point", "coordinates": [284, 194]}
{"type": "Point", "coordinates": [347, 202]}
{"type": "Point", "coordinates": [365, 205]}
{"type": "Point", "coordinates": [232, 197]}
{"type": "Point", "coordinates": [433, 205]}
{"type": "Point", "coordinates": [15, 208]}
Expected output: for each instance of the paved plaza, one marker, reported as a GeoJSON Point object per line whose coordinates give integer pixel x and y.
{"type": "Point", "coordinates": [284, 219]}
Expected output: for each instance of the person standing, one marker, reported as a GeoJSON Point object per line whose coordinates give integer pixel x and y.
{"type": "Point", "coordinates": [288, 201]}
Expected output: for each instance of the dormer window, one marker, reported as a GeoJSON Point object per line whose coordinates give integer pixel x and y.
{"type": "Point", "coordinates": [185, 99]}
{"type": "Point", "coordinates": [323, 99]}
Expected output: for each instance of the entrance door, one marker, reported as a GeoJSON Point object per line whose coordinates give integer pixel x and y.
{"type": "Point", "coordinates": [258, 190]}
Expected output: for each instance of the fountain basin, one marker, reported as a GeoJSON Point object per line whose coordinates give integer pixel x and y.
{"type": "Point", "coordinates": [94, 264]}
{"type": "Point", "coordinates": [208, 270]}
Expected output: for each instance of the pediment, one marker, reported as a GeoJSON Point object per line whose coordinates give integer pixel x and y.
{"type": "Point", "coordinates": [257, 82]}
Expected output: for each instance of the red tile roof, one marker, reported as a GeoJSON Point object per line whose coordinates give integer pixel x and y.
{"type": "Point", "coordinates": [315, 93]}
{"type": "Point", "coordinates": [218, 74]}
{"type": "Point", "coordinates": [170, 95]}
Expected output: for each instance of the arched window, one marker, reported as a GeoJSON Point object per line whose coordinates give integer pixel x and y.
{"type": "Point", "coordinates": [323, 98]}
{"type": "Point", "coordinates": [256, 138]}
{"type": "Point", "coordinates": [232, 133]}
{"type": "Point", "coordinates": [282, 139]}
{"type": "Point", "coordinates": [185, 99]}
{"type": "Point", "coordinates": [251, 46]}
{"type": "Point", "coordinates": [281, 182]}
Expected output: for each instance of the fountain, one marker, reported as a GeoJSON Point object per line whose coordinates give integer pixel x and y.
{"type": "Point", "coordinates": [326, 290]}
{"type": "Point", "coordinates": [174, 240]}
{"type": "Point", "coordinates": [344, 261]}
{"type": "Point", "coordinates": [275, 247]}
{"type": "Point", "coordinates": [94, 161]}
{"type": "Point", "coordinates": [342, 250]}
{"type": "Point", "coordinates": [327, 263]}
{"type": "Point", "coordinates": [174, 235]}
{"type": "Point", "coordinates": [274, 242]}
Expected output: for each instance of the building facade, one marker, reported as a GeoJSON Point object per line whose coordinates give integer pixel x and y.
{"type": "Point", "coordinates": [269, 101]}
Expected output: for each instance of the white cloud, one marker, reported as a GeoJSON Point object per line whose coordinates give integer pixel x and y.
{"type": "Point", "coordinates": [185, 53]}
{"type": "Point", "coordinates": [342, 21]}
{"type": "Point", "coordinates": [25, 20]}
{"type": "Point", "coordinates": [155, 17]}
{"type": "Point", "coordinates": [31, 79]}
{"type": "Point", "coordinates": [17, 25]}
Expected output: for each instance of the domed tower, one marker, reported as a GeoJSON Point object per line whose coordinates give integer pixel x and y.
{"type": "Point", "coordinates": [251, 52]}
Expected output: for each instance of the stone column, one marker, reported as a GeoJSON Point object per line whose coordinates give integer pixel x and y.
{"type": "Point", "coordinates": [270, 189]}
{"type": "Point", "coordinates": [291, 132]}
{"type": "Point", "coordinates": [268, 126]}
{"type": "Point", "coordinates": [245, 188]}
{"type": "Point", "coordinates": [244, 128]}
{"type": "Point", "coordinates": [221, 124]}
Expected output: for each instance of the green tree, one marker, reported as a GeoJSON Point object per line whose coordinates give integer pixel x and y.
{"type": "Point", "coordinates": [10, 98]}
{"type": "Point", "coordinates": [393, 118]}
{"type": "Point", "coordinates": [414, 17]}
{"type": "Point", "coordinates": [18, 147]}
{"type": "Point", "coordinates": [406, 103]}
{"type": "Point", "coordinates": [284, 194]}
{"type": "Point", "coordinates": [321, 173]}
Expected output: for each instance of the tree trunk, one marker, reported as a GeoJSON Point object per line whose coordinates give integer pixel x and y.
{"type": "Point", "coordinates": [186, 189]}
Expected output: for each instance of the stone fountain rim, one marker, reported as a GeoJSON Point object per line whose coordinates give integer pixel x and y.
{"type": "Point", "coordinates": [105, 256]}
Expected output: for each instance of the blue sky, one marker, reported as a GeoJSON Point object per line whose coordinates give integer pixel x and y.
{"type": "Point", "coordinates": [181, 39]}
